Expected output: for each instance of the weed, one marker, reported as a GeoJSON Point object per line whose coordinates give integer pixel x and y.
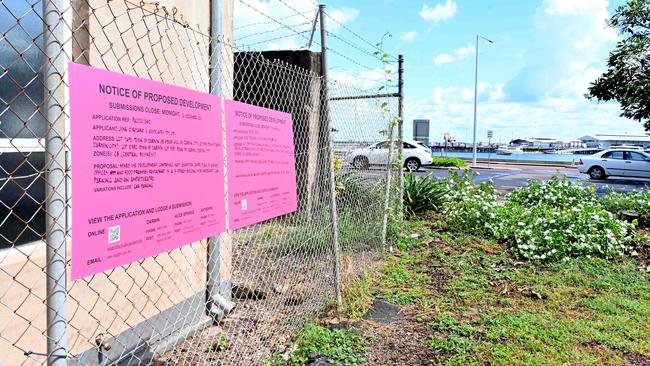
{"type": "Point", "coordinates": [220, 345]}
{"type": "Point", "coordinates": [342, 347]}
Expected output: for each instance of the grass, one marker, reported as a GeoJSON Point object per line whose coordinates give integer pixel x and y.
{"type": "Point", "coordinates": [358, 227]}
{"type": "Point", "coordinates": [448, 162]}
{"type": "Point", "coordinates": [357, 297]}
{"type": "Point", "coordinates": [359, 209]}
{"type": "Point", "coordinates": [483, 307]}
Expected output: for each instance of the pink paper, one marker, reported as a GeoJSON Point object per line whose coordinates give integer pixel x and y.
{"type": "Point", "coordinates": [261, 164]}
{"type": "Point", "coordinates": [147, 168]}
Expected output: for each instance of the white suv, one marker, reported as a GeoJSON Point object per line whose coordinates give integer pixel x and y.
{"type": "Point", "coordinates": [415, 155]}
{"type": "Point", "coordinates": [619, 162]}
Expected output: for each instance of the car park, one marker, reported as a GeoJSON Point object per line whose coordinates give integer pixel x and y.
{"type": "Point", "coordinates": [616, 162]}
{"type": "Point", "coordinates": [415, 155]}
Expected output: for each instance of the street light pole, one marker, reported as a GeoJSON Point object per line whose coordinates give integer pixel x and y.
{"type": "Point", "coordinates": [476, 98]}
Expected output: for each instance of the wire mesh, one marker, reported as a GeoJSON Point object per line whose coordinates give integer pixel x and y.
{"type": "Point", "coordinates": [153, 311]}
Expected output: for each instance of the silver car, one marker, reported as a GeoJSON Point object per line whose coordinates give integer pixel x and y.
{"type": "Point", "coordinates": [616, 162]}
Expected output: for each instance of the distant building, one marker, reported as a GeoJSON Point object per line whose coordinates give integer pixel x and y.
{"type": "Point", "coordinates": [607, 141]}
{"type": "Point", "coordinates": [548, 143]}
{"type": "Point", "coordinates": [421, 131]}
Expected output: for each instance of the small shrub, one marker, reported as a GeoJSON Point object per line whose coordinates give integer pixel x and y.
{"type": "Point", "coordinates": [458, 186]}
{"type": "Point", "coordinates": [422, 194]}
{"type": "Point", "coordinates": [556, 192]}
{"type": "Point", "coordinates": [545, 233]}
{"type": "Point", "coordinates": [448, 162]}
{"type": "Point", "coordinates": [469, 207]}
{"type": "Point", "coordinates": [637, 201]}
{"type": "Point", "coordinates": [543, 222]}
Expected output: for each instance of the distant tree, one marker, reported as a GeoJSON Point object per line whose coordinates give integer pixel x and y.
{"type": "Point", "coordinates": [627, 79]}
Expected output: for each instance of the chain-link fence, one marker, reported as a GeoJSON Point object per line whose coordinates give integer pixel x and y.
{"type": "Point", "coordinates": [163, 309]}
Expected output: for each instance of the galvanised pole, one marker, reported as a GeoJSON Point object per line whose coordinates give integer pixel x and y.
{"type": "Point", "coordinates": [400, 128]}
{"type": "Point", "coordinates": [332, 180]}
{"type": "Point", "coordinates": [54, 37]}
{"type": "Point", "coordinates": [478, 37]}
{"type": "Point", "coordinates": [475, 105]}
{"type": "Point", "coordinates": [218, 286]}
{"type": "Point", "coordinates": [389, 166]}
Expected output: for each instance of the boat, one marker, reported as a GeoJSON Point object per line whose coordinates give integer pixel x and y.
{"type": "Point", "coordinates": [509, 150]}
{"type": "Point", "coordinates": [558, 152]}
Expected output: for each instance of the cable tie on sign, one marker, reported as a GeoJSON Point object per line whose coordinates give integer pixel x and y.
{"type": "Point", "coordinates": [30, 353]}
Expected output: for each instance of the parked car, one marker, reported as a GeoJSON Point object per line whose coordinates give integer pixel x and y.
{"type": "Point", "coordinates": [415, 155]}
{"type": "Point", "coordinates": [616, 162]}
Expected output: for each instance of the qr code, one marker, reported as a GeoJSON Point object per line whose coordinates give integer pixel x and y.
{"type": "Point", "coordinates": [113, 234]}
{"type": "Point", "coordinates": [244, 205]}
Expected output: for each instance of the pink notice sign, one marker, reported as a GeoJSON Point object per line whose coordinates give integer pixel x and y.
{"type": "Point", "coordinates": [261, 164]}
{"type": "Point", "coordinates": [147, 168]}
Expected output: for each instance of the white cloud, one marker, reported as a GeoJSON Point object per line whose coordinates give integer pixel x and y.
{"type": "Point", "coordinates": [466, 94]}
{"type": "Point", "coordinates": [366, 79]}
{"type": "Point", "coordinates": [409, 36]}
{"type": "Point", "coordinates": [458, 54]}
{"type": "Point", "coordinates": [463, 52]}
{"type": "Point", "coordinates": [454, 94]}
{"type": "Point", "coordinates": [497, 92]}
{"type": "Point", "coordinates": [570, 44]}
{"type": "Point", "coordinates": [440, 12]}
{"type": "Point", "coordinates": [253, 26]}
{"type": "Point", "coordinates": [568, 51]}
{"type": "Point", "coordinates": [343, 15]}
{"type": "Point", "coordinates": [443, 59]}
{"type": "Point", "coordinates": [284, 44]}
{"type": "Point", "coordinates": [572, 7]}
{"type": "Point", "coordinates": [451, 109]}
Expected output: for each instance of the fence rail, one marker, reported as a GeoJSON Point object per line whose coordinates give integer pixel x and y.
{"type": "Point", "coordinates": [232, 299]}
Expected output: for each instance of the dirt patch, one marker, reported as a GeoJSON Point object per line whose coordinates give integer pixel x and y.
{"type": "Point", "coordinates": [402, 341]}
{"type": "Point", "coordinates": [635, 359]}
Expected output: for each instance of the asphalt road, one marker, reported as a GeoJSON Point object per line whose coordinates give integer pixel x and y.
{"type": "Point", "coordinates": [508, 177]}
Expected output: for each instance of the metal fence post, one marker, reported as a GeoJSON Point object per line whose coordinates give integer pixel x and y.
{"type": "Point", "coordinates": [54, 37]}
{"type": "Point", "coordinates": [400, 130]}
{"type": "Point", "coordinates": [389, 166]}
{"type": "Point", "coordinates": [219, 261]}
{"type": "Point", "coordinates": [332, 180]}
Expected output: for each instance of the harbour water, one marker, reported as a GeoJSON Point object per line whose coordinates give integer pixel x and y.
{"type": "Point", "coordinates": [539, 157]}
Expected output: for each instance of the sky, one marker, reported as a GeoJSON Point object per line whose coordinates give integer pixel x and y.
{"type": "Point", "coordinates": [532, 79]}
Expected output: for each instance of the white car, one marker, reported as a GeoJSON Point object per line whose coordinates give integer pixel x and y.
{"type": "Point", "coordinates": [618, 162]}
{"type": "Point", "coordinates": [415, 155]}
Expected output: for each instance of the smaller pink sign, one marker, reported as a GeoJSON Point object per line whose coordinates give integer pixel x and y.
{"type": "Point", "coordinates": [261, 164]}
{"type": "Point", "coordinates": [147, 168]}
